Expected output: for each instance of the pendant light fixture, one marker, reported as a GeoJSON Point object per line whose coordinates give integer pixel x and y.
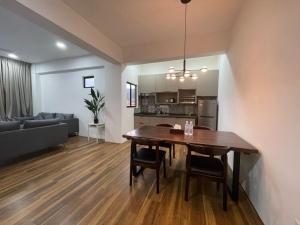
{"type": "Point", "coordinates": [184, 73]}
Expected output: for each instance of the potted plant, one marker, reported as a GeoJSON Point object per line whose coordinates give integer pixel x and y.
{"type": "Point", "coordinates": [96, 104]}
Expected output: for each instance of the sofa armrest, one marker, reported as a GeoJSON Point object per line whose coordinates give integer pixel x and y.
{"type": "Point", "coordinates": [73, 125]}
{"type": "Point", "coordinates": [22, 119]}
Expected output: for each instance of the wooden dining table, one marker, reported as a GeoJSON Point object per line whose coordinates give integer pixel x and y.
{"type": "Point", "coordinates": [202, 137]}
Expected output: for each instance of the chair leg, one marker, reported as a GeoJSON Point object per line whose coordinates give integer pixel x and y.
{"type": "Point", "coordinates": [130, 175]}
{"type": "Point", "coordinates": [187, 185]}
{"type": "Point", "coordinates": [170, 156]}
{"type": "Point", "coordinates": [157, 180]}
{"type": "Point", "coordinates": [164, 165]}
{"type": "Point", "coordinates": [225, 196]}
{"type": "Point", "coordinates": [174, 151]}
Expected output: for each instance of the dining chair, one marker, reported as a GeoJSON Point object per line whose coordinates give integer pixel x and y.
{"type": "Point", "coordinates": [168, 145]}
{"type": "Point", "coordinates": [202, 128]}
{"type": "Point", "coordinates": [147, 157]}
{"type": "Point", "coordinates": [205, 166]}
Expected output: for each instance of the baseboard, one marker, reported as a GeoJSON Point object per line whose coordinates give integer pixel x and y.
{"type": "Point", "coordinates": [244, 193]}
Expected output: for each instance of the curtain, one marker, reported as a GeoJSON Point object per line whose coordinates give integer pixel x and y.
{"type": "Point", "coordinates": [15, 88]}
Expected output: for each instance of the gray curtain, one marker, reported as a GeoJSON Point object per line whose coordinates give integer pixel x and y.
{"type": "Point", "coordinates": [15, 88]}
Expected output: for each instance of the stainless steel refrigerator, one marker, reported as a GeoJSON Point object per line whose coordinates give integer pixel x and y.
{"type": "Point", "coordinates": [208, 113]}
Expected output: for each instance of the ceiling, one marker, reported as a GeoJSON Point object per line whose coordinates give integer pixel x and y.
{"type": "Point", "coordinates": [138, 22]}
{"type": "Point", "coordinates": [31, 42]}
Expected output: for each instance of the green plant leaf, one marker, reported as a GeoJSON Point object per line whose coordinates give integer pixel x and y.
{"type": "Point", "coordinates": [93, 94]}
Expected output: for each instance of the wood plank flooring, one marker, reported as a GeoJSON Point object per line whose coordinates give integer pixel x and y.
{"type": "Point", "coordinates": [88, 183]}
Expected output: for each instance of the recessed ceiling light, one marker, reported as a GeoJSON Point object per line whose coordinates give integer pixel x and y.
{"type": "Point", "coordinates": [12, 55]}
{"type": "Point", "coordinates": [61, 45]}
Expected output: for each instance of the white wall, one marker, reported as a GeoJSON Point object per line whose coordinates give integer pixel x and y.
{"type": "Point", "coordinates": [212, 62]}
{"type": "Point", "coordinates": [259, 100]}
{"type": "Point", "coordinates": [129, 74]}
{"type": "Point", "coordinates": [58, 87]}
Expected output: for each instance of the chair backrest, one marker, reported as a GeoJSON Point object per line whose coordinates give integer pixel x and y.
{"type": "Point", "coordinates": [150, 142]}
{"type": "Point", "coordinates": [202, 128]}
{"type": "Point", "coordinates": [208, 150]}
{"type": "Point", "coordinates": [164, 125]}
{"type": "Point", "coordinates": [145, 141]}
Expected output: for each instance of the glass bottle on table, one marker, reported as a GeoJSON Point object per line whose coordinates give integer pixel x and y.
{"type": "Point", "coordinates": [191, 128]}
{"type": "Point", "coordinates": [186, 128]}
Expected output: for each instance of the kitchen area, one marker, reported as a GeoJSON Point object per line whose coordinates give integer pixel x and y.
{"type": "Point", "coordinates": [171, 101]}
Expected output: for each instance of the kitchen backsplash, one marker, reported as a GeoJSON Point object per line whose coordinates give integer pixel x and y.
{"type": "Point", "coordinates": [147, 105]}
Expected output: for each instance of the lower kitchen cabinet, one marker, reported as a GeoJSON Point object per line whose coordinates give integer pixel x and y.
{"type": "Point", "coordinates": [140, 121]}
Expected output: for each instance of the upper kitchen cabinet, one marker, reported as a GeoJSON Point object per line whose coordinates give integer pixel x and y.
{"type": "Point", "coordinates": [164, 85]}
{"type": "Point", "coordinates": [147, 84]}
{"type": "Point", "coordinates": [207, 83]}
{"type": "Point", "coordinates": [188, 83]}
{"type": "Point", "coordinates": [160, 83]}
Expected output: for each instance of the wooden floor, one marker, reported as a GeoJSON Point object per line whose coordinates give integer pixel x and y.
{"type": "Point", "coordinates": [88, 183]}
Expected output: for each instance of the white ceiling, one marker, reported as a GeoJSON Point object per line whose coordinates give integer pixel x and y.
{"type": "Point", "coordinates": [138, 22]}
{"type": "Point", "coordinates": [30, 42]}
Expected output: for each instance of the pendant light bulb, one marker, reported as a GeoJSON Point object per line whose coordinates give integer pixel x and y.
{"type": "Point", "coordinates": [187, 74]}
{"type": "Point", "coordinates": [194, 76]}
{"type": "Point", "coordinates": [204, 69]}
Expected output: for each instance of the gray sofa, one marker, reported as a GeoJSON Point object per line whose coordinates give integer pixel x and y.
{"type": "Point", "coordinates": [34, 136]}
{"type": "Point", "coordinates": [73, 123]}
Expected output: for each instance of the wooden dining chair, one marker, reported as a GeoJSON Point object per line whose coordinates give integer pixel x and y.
{"type": "Point", "coordinates": [202, 128]}
{"type": "Point", "coordinates": [168, 145]}
{"type": "Point", "coordinates": [147, 157]}
{"type": "Point", "coordinates": [205, 166]}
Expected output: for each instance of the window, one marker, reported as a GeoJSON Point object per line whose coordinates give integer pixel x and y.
{"type": "Point", "coordinates": [88, 82]}
{"type": "Point", "coordinates": [131, 92]}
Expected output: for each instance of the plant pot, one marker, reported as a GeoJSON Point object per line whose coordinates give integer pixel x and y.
{"type": "Point", "coordinates": [96, 120]}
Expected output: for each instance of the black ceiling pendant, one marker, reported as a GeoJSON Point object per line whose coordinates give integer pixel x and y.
{"type": "Point", "coordinates": [185, 1]}
{"type": "Point", "coordinates": [184, 73]}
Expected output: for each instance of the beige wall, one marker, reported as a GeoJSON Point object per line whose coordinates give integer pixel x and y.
{"type": "Point", "coordinates": [259, 100]}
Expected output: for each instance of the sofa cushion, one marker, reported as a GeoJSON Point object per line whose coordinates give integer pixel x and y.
{"type": "Point", "coordinates": [60, 116]}
{"type": "Point", "coordinates": [69, 116]}
{"type": "Point", "coordinates": [7, 126]}
{"type": "Point", "coordinates": [39, 123]}
{"type": "Point", "coordinates": [48, 115]}
{"type": "Point", "coordinates": [63, 116]}
{"type": "Point", "coordinates": [39, 116]}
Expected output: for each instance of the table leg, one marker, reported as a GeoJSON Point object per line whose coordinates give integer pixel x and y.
{"type": "Point", "coordinates": [236, 176]}
{"type": "Point", "coordinates": [88, 133]}
{"type": "Point", "coordinates": [97, 133]}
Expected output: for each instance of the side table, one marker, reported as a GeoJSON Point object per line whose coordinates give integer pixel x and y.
{"type": "Point", "coordinates": [97, 126]}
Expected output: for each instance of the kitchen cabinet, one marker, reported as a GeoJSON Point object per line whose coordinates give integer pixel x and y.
{"type": "Point", "coordinates": [171, 85]}
{"type": "Point", "coordinates": [140, 121]}
{"type": "Point", "coordinates": [164, 85]}
{"type": "Point", "coordinates": [166, 98]}
{"type": "Point", "coordinates": [160, 83]}
{"type": "Point", "coordinates": [207, 83]}
{"type": "Point", "coordinates": [188, 83]}
{"type": "Point", "coordinates": [147, 84]}
{"type": "Point", "coordinates": [187, 96]}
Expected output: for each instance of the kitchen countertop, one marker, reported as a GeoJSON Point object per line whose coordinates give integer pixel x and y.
{"type": "Point", "coordinates": [165, 115]}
